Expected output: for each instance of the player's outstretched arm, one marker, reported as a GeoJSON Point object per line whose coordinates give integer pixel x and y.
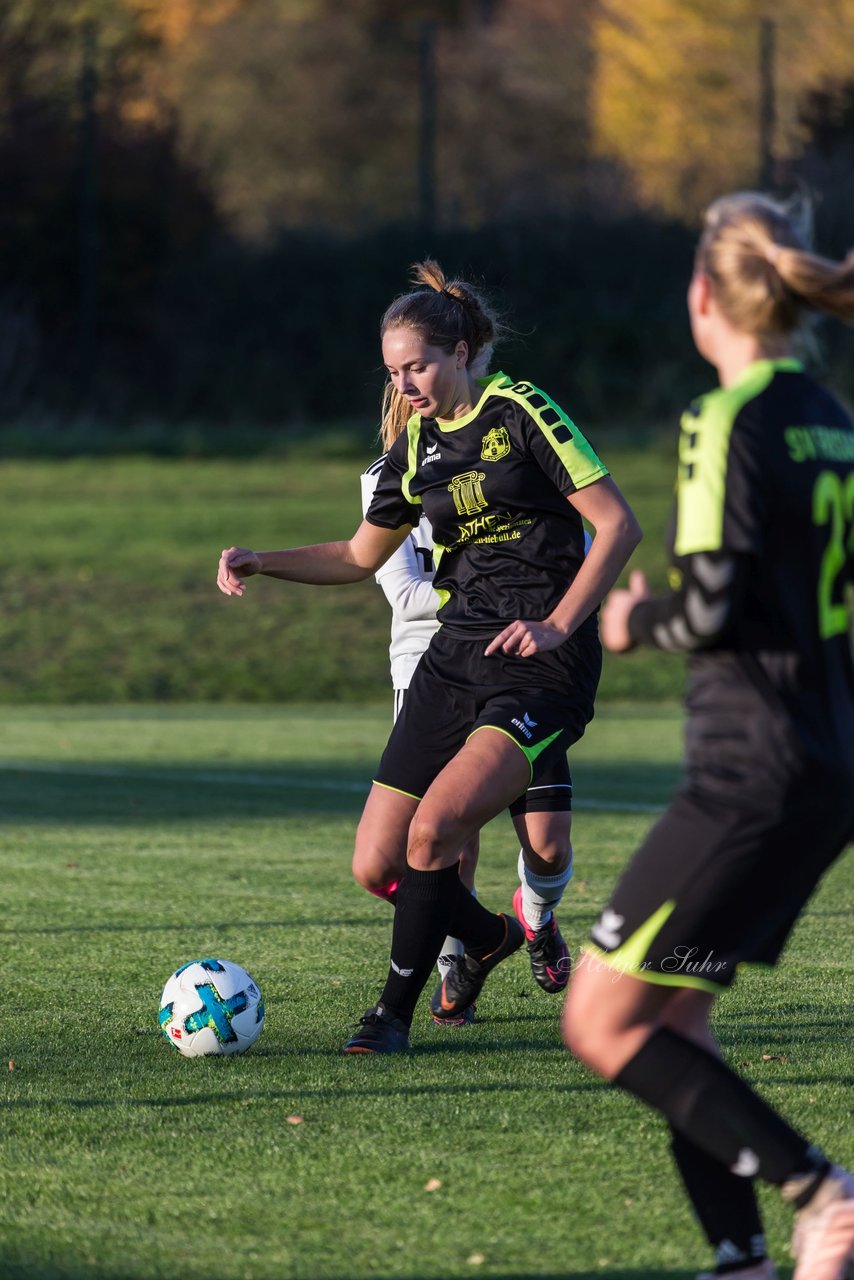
{"type": "Point", "coordinates": [327, 563]}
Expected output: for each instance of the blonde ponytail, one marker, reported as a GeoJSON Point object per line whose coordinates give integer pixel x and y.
{"type": "Point", "coordinates": [763, 274]}
{"type": "Point", "coordinates": [396, 412]}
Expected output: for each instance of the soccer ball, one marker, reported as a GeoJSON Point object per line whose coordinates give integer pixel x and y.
{"type": "Point", "coordinates": [211, 1006]}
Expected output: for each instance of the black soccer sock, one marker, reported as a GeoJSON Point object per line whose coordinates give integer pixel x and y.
{"type": "Point", "coordinates": [421, 922]}
{"type": "Point", "coordinates": [479, 930]}
{"type": "Point", "coordinates": [724, 1204]}
{"type": "Point", "coordinates": [716, 1110]}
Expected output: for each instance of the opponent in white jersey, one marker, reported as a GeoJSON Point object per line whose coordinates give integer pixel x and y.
{"type": "Point", "coordinates": [407, 581]}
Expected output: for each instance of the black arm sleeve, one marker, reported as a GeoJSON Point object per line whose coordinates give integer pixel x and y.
{"type": "Point", "coordinates": [699, 613]}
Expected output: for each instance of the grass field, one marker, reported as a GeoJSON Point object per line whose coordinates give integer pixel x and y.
{"type": "Point", "coordinates": [110, 594]}
{"type": "Point", "coordinates": [134, 839]}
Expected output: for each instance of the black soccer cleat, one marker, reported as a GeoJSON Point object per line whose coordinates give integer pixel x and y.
{"type": "Point", "coordinates": [462, 1019]}
{"type": "Point", "coordinates": [462, 985]}
{"type": "Point", "coordinates": [550, 959]}
{"type": "Point", "coordinates": [379, 1033]}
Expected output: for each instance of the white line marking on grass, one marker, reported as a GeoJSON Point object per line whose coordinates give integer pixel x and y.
{"type": "Point", "coordinates": [212, 777]}
{"type": "Point", "coordinates": [617, 806]}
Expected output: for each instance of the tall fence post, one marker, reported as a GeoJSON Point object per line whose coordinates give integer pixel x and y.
{"type": "Point", "coordinates": [87, 215]}
{"type": "Point", "coordinates": [427, 129]}
{"type": "Point", "coordinates": [767, 103]}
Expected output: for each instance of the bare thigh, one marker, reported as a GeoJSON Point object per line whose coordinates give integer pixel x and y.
{"type": "Point", "coordinates": [379, 856]}
{"type": "Point", "coordinates": [608, 1015]}
{"type": "Point", "coordinates": [486, 775]}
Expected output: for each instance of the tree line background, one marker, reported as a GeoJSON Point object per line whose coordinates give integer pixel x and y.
{"type": "Point", "coordinates": [207, 205]}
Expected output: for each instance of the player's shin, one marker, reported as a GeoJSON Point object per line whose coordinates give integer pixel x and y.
{"type": "Point", "coordinates": [541, 894]}
{"type": "Point", "coordinates": [724, 1204]}
{"type": "Point", "coordinates": [421, 921]}
{"type": "Point", "coordinates": [717, 1111]}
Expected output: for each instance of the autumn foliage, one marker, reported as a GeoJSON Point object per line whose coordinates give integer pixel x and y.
{"type": "Point", "coordinates": [206, 202]}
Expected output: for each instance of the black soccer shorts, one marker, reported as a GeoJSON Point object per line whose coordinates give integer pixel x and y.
{"type": "Point", "coordinates": [723, 876]}
{"type": "Point", "coordinates": [543, 704]}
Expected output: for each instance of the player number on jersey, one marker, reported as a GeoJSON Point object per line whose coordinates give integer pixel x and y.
{"type": "Point", "coordinates": [833, 505]}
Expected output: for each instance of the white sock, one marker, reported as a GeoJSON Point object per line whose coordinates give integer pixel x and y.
{"type": "Point", "coordinates": [541, 894]}
{"type": "Point", "coordinates": [451, 948]}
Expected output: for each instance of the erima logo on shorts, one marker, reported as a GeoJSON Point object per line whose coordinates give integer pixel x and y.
{"type": "Point", "coordinates": [607, 931]}
{"type": "Point", "coordinates": [526, 724]}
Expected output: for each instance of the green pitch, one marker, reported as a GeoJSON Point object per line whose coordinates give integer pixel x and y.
{"type": "Point", "coordinates": [135, 840]}
{"type": "Point", "coordinates": [113, 598]}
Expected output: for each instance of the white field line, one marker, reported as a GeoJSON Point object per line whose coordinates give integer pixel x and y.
{"type": "Point", "coordinates": [271, 781]}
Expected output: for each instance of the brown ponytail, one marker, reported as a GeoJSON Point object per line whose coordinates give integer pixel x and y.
{"type": "Point", "coordinates": [443, 312]}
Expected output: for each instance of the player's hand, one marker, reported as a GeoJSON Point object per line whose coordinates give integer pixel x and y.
{"type": "Point", "coordinates": [525, 639]}
{"type": "Point", "coordinates": [235, 564]}
{"type": "Point", "coordinates": [614, 619]}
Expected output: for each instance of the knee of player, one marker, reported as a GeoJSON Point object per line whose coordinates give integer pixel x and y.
{"type": "Point", "coordinates": [373, 871]}
{"type": "Point", "coordinates": [361, 876]}
{"type": "Point", "coordinates": [557, 854]}
{"type": "Point", "coordinates": [433, 842]}
{"type": "Point", "coordinates": [548, 857]}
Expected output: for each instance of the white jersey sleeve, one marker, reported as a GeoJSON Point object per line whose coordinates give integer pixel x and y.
{"type": "Point", "coordinates": [407, 582]}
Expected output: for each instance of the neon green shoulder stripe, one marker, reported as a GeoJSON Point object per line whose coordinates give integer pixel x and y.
{"type": "Point", "coordinates": [413, 431]}
{"type": "Point", "coordinates": [576, 454]}
{"type": "Point", "coordinates": [704, 453]}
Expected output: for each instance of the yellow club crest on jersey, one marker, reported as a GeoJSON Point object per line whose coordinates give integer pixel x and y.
{"type": "Point", "coordinates": [468, 495]}
{"type": "Point", "coordinates": [495, 445]}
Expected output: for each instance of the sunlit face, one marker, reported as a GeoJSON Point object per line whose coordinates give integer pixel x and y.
{"type": "Point", "coordinates": [432, 380]}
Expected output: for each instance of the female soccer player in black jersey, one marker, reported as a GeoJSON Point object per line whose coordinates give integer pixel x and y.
{"type": "Point", "coordinates": [762, 550]}
{"type": "Point", "coordinates": [407, 582]}
{"type": "Point", "coordinates": [507, 684]}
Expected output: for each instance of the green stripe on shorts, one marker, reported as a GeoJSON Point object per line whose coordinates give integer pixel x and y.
{"type": "Point", "coordinates": [631, 956]}
{"type": "Point", "coordinates": [530, 753]}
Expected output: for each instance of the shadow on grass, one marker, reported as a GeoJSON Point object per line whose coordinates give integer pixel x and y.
{"type": "Point", "coordinates": [79, 791]}
{"type": "Point", "coordinates": [601, 1273]}
{"type": "Point", "coordinates": [291, 1096]}
{"type": "Point", "coordinates": [81, 1271]}
{"type": "Point", "coordinates": [219, 926]}
{"type": "Point", "coordinates": [354, 1088]}
{"type": "Point", "coordinates": [785, 1029]}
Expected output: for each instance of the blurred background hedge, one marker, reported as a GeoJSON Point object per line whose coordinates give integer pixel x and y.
{"type": "Point", "coordinates": [207, 206]}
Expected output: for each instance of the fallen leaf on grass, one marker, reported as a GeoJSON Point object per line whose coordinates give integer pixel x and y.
{"type": "Point", "coordinates": [432, 1184]}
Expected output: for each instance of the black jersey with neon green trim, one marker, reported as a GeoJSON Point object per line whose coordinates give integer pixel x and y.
{"type": "Point", "coordinates": [766, 481]}
{"type": "Point", "coordinates": [494, 487]}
